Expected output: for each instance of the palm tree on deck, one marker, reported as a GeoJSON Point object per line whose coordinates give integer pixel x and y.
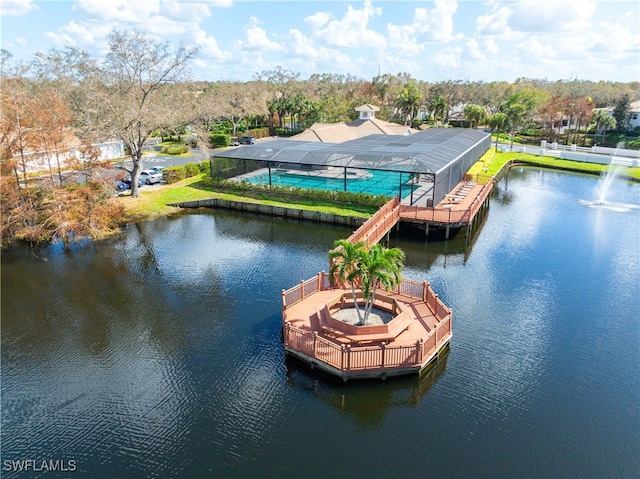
{"type": "Point", "coordinates": [380, 267]}
{"type": "Point", "coordinates": [368, 268]}
{"type": "Point", "coordinates": [345, 259]}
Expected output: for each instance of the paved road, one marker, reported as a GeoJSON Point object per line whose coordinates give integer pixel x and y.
{"type": "Point", "coordinates": [150, 159]}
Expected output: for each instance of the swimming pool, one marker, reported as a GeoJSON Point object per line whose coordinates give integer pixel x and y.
{"type": "Point", "coordinates": [385, 183]}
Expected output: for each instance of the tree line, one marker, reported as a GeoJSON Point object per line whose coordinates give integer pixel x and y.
{"type": "Point", "coordinates": [66, 98]}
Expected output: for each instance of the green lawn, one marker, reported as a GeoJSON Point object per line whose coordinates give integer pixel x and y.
{"type": "Point", "coordinates": [153, 201]}
{"type": "Point", "coordinates": [492, 163]}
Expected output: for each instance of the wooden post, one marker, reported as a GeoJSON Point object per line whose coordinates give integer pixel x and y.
{"type": "Point", "coordinates": [302, 288]}
{"type": "Point", "coordinates": [384, 348]}
{"type": "Point", "coordinates": [343, 348]}
{"type": "Point", "coordinates": [284, 302]}
{"type": "Point", "coordinates": [348, 357]}
{"type": "Point", "coordinates": [420, 348]}
{"type": "Point", "coordinates": [424, 292]}
{"type": "Point", "coordinates": [315, 340]}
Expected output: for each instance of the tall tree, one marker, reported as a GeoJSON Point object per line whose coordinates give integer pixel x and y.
{"type": "Point", "coordinates": [497, 121]}
{"type": "Point", "coordinates": [475, 114]}
{"type": "Point", "coordinates": [515, 118]}
{"type": "Point", "coordinates": [345, 258]}
{"type": "Point", "coordinates": [438, 105]}
{"type": "Point", "coordinates": [622, 113]}
{"type": "Point", "coordinates": [604, 121]}
{"type": "Point", "coordinates": [369, 268]}
{"type": "Point", "coordinates": [408, 102]}
{"type": "Point", "coordinates": [124, 96]}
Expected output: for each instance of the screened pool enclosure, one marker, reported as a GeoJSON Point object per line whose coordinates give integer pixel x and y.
{"type": "Point", "coordinates": [433, 160]}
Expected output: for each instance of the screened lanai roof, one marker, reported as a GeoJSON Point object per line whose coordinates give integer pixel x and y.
{"type": "Point", "coordinates": [428, 151]}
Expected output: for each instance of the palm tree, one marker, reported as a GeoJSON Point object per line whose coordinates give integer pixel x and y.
{"type": "Point", "coordinates": [379, 266]}
{"type": "Point", "coordinates": [345, 259]}
{"type": "Point", "coordinates": [437, 106]}
{"type": "Point", "coordinates": [368, 267]}
{"type": "Point", "coordinates": [605, 120]}
{"type": "Point", "coordinates": [408, 102]}
{"type": "Point", "coordinates": [515, 117]}
{"type": "Point", "coordinates": [474, 114]}
{"type": "Point", "coordinates": [498, 120]}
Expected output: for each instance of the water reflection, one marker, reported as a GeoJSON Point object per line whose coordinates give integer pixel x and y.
{"type": "Point", "coordinates": [367, 403]}
{"type": "Point", "coordinates": [158, 353]}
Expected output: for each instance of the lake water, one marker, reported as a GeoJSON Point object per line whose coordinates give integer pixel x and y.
{"type": "Point", "coordinates": [158, 353]}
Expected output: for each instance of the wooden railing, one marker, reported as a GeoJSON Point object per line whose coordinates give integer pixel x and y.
{"type": "Point", "coordinates": [378, 356]}
{"type": "Point", "coordinates": [293, 295]}
{"type": "Point", "coordinates": [447, 215]}
{"type": "Point", "coordinates": [349, 358]}
{"type": "Point", "coordinates": [379, 224]}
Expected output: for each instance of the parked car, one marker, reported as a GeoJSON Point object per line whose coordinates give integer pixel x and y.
{"type": "Point", "coordinates": [157, 169]}
{"type": "Point", "coordinates": [234, 142]}
{"type": "Point", "coordinates": [246, 140]}
{"type": "Point", "coordinates": [127, 183]}
{"type": "Point", "coordinates": [149, 177]}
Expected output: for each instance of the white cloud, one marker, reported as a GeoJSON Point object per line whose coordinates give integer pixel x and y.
{"type": "Point", "coordinates": [256, 38]}
{"type": "Point", "coordinates": [491, 46]}
{"type": "Point", "coordinates": [435, 25]}
{"type": "Point", "coordinates": [209, 46]}
{"type": "Point", "coordinates": [16, 8]}
{"type": "Point", "coordinates": [495, 23]}
{"type": "Point", "coordinates": [352, 30]}
{"type": "Point", "coordinates": [300, 46]}
{"type": "Point", "coordinates": [317, 20]}
{"type": "Point", "coordinates": [448, 58]}
{"type": "Point", "coordinates": [80, 34]}
{"type": "Point", "coordinates": [533, 50]}
{"type": "Point", "coordinates": [552, 15]}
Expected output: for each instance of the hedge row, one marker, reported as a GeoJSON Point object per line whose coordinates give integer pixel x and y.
{"type": "Point", "coordinates": [219, 140]}
{"type": "Point", "coordinates": [175, 149]}
{"type": "Point", "coordinates": [258, 132]}
{"type": "Point", "coordinates": [173, 174]}
{"type": "Point", "coordinates": [288, 131]}
{"type": "Point", "coordinates": [362, 199]}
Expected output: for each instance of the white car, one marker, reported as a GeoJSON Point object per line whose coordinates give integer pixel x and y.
{"type": "Point", "coordinates": [149, 177]}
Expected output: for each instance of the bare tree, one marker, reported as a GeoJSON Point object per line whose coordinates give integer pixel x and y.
{"type": "Point", "coordinates": [124, 96]}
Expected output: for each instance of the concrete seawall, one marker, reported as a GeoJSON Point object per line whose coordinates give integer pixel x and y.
{"type": "Point", "coordinates": [281, 211]}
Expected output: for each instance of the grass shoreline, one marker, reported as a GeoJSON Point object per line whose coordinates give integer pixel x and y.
{"type": "Point", "coordinates": [154, 201]}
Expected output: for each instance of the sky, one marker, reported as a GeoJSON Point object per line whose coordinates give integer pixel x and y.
{"type": "Point", "coordinates": [483, 40]}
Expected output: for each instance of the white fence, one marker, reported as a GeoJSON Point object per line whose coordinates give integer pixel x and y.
{"type": "Point", "coordinates": [596, 154]}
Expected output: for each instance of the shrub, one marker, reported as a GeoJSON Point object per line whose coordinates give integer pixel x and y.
{"type": "Point", "coordinates": [219, 140]}
{"type": "Point", "coordinates": [191, 169]}
{"type": "Point", "coordinates": [362, 199]}
{"type": "Point", "coordinates": [175, 149]}
{"type": "Point", "coordinates": [288, 131]}
{"type": "Point", "coordinates": [258, 132]}
{"type": "Point", "coordinates": [173, 174]}
{"type": "Point", "coordinates": [205, 167]}
{"type": "Point", "coordinates": [633, 144]}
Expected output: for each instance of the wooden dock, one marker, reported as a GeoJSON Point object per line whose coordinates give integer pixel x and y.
{"type": "Point", "coordinates": [425, 330]}
{"type": "Point", "coordinates": [421, 324]}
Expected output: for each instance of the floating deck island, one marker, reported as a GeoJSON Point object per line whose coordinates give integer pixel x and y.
{"type": "Point", "coordinates": [419, 330]}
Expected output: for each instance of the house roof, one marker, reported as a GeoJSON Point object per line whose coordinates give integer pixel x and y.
{"type": "Point", "coordinates": [339, 132]}
{"type": "Point", "coordinates": [367, 107]}
{"type": "Point", "coordinates": [428, 151]}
